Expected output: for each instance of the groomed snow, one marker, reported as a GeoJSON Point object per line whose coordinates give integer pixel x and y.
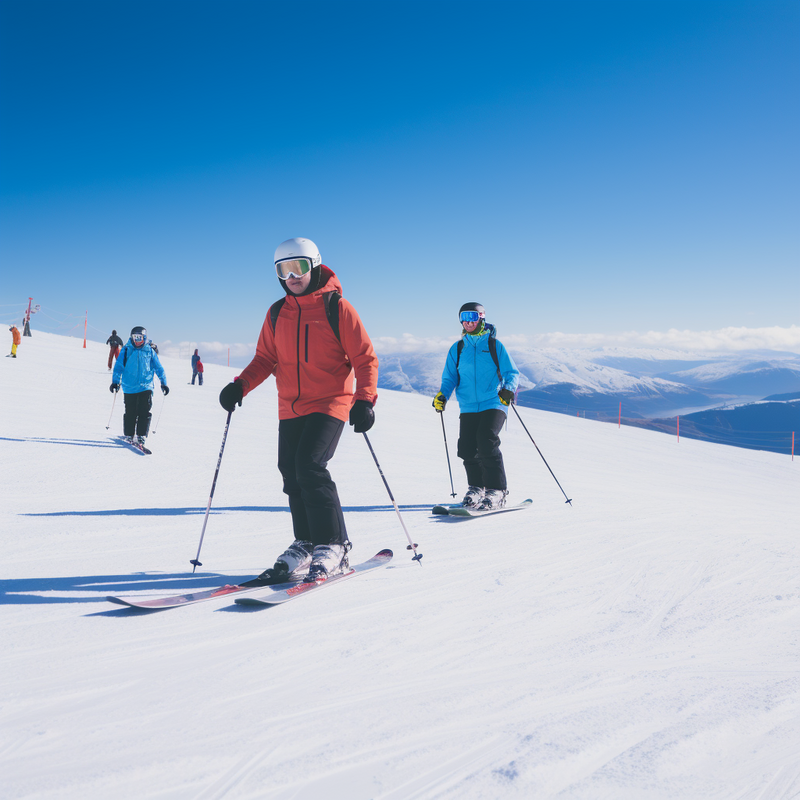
{"type": "Point", "coordinates": [641, 644]}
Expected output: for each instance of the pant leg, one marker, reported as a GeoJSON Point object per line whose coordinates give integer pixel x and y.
{"type": "Point", "coordinates": [143, 414]}
{"type": "Point", "coordinates": [305, 445]}
{"type": "Point", "coordinates": [116, 353]}
{"type": "Point", "coordinates": [13, 349]}
{"type": "Point", "coordinates": [194, 375]}
{"type": "Point", "coordinates": [468, 447]}
{"type": "Point", "coordinates": [110, 356]}
{"type": "Point", "coordinates": [490, 458]}
{"type": "Point", "coordinates": [129, 417]}
{"type": "Point", "coordinates": [200, 378]}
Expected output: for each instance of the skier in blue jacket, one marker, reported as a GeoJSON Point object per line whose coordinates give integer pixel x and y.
{"type": "Point", "coordinates": [484, 390]}
{"type": "Point", "coordinates": [134, 370]}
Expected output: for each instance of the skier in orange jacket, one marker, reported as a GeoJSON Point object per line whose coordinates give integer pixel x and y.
{"type": "Point", "coordinates": [314, 342]}
{"type": "Point", "coordinates": [16, 339]}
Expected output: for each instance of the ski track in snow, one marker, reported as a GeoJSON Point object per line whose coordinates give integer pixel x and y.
{"type": "Point", "coordinates": [640, 644]}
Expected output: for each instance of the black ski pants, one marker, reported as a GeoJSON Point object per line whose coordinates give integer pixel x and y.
{"type": "Point", "coordinates": [305, 445]}
{"type": "Point", "coordinates": [479, 447]}
{"type": "Point", "coordinates": [136, 419]}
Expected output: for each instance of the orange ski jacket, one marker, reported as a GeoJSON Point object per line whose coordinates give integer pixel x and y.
{"type": "Point", "coordinates": [16, 336]}
{"type": "Point", "coordinates": [313, 370]}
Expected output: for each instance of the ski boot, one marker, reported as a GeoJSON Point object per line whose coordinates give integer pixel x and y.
{"type": "Point", "coordinates": [292, 565]}
{"type": "Point", "coordinates": [493, 499]}
{"type": "Point", "coordinates": [328, 560]}
{"type": "Point", "coordinates": [473, 497]}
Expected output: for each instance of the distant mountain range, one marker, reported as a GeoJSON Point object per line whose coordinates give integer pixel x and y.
{"type": "Point", "coordinates": [734, 391]}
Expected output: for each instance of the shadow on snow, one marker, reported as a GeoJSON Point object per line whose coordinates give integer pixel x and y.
{"type": "Point", "coordinates": [178, 512]}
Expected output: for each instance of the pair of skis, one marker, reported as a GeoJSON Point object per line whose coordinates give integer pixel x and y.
{"type": "Point", "coordinates": [277, 594]}
{"type": "Point", "coordinates": [140, 448]}
{"type": "Point", "coordinates": [465, 511]}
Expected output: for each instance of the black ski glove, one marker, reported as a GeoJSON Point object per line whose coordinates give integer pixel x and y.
{"type": "Point", "coordinates": [506, 396]}
{"type": "Point", "coordinates": [231, 395]}
{"type": "Point", "coordinates": [114, 387]}
{"type": "Point", "coordinates": [165, 389]}
{"type": "Point", "coordinates": [362, 417]}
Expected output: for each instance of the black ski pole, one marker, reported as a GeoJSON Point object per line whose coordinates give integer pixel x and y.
{"type": "Point", "coordinates": [196, 561]}
{"type": "Point", "coordinates": [411, 545]}
{"type": "Point", "coordinates": [113, 402]}
{"type": "Point", "coordinates": [447, 452]}
{"type": "Point", "coordinates": [540, 453]}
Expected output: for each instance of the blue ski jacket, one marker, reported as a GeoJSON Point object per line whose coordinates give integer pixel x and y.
{"type": "Point", "coordinates": [475, 379]}
{"type": "Point", "coordinates": [135, 366]}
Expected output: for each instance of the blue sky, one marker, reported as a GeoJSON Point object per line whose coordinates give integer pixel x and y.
{"type": "Point", "coordinates": [583, 167]}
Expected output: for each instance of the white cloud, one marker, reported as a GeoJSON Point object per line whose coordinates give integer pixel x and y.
{"type": "Point", "coordinates": [722, 340]}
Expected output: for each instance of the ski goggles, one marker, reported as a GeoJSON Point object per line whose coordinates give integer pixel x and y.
{"type": "Point", "coordinates": [293, 268]}
{"type": "Point", "coordinates": [470, 316]}
{"type": "Point", "coordinates": [138, 338]}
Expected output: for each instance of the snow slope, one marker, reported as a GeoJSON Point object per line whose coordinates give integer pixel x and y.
{"type": "Point", "coordinates": [640, 644]}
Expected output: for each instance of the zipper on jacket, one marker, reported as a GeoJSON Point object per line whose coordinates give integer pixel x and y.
{"type": "Point", "coordinates": [299, 315]}
{"type": "Point", "coordinates": [306, 343]}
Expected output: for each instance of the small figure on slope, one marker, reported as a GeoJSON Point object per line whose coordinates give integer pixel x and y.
{"type": "Point", "coordinates": [197, 368]}
{"type": "Point", "coordinates": [484, 388]}
{"type": "Point", "coordinates": [312, 341]}
{"type": "Point", "coordinates": [16, 339]}
{"type": "Point", "coordinates": [114, 343]}
{"type": "Point", "coordinates": [134, 371]}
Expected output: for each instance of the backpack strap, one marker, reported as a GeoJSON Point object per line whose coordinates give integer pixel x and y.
{"type": "Point", "coordinates": [331, 300]}
{"type": "Point", "coordinates": [274, 310]}
{"type": "Point", "coordinates": [459, 348]}
{"type": "Point", "coordinates": [493, 352]}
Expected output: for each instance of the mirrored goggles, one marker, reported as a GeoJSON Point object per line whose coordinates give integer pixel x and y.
{"type": "Point", "coordinates": [293, 268]}
{"type": "Point", "coordinates": [138, 338]}
{"type": "Point", "coordinates": [469, 316]}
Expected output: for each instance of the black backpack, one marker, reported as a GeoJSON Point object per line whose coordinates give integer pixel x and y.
{"type": "Point", "coordinates": [331, 300]}
{"type": "Point", "coordinates": [492, 351]}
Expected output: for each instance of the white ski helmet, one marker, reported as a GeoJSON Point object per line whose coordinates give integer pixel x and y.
{"type": "Point", "coordinates": [298, 248]}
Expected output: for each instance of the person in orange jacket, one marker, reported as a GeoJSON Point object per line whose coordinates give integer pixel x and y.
{"type": "Point", "coordinates": [16, 339]}
{"type": "Point", "coordinates": [315, 344]}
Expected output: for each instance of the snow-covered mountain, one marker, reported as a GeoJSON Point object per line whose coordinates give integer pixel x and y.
{"type": "Point", "coordinates": [649, 382]}
{"type": "Point", "coordinates": [641, 643]}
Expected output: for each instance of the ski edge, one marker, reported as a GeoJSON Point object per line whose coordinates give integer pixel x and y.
{"type": "Point", "coordinates": [466, 512]}
{"type": "Point", "coordinates": [279, 596]}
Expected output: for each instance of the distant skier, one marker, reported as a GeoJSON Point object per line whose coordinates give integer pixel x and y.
{"type": "Point", "coordinates": [312, 341]}
{"type": "Point", "coordinates": [200, 370]}
{"type": "Point", "coordinates": [134, 370]}
{"type": "Point", "coordinates": [195, 370]}
{"type": "Point", "coordinates": [114, 343]}
{"type": "Point", "coordinates": [16, 339]}
{"type": "Point", "coordinates": [484, 390]}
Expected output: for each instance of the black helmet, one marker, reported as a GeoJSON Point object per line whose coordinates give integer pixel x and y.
{"type": "Point", "coordinates": [138, 336]}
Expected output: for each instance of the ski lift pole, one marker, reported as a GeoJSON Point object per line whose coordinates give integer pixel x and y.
{"type": "Point", "coordinates": [196, 561]}
{"type": "Point", "coordinates": [447, 453]}
{"type": "Point", "coordinates": [113, 402]}
{"type": "Point", "coordinates": [540, 453]}
{"type": "Point", "coordinates": [411, 545]}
